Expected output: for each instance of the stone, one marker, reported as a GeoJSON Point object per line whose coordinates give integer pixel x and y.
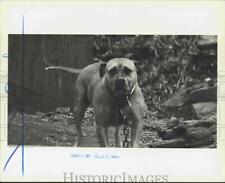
{"type": "Point", "coordinates": [205, 110]}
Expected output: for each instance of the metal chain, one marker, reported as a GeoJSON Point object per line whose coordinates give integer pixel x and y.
{"type": "Point", "coordinates": [126, 127]}
{"type": "Point", "coordinates": [126, 133]}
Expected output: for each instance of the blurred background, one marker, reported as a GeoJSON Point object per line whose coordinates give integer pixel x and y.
{"type": "Point", "coordinates": [166, 64]}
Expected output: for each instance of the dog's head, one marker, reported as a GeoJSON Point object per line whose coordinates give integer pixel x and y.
{"type": "Point", "coordinates": [120, 76]}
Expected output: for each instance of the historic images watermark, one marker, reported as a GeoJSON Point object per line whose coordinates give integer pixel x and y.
{"type": "Point", "coordinates": [123, 177]}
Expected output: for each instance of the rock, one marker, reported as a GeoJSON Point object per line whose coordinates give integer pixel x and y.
{"type": "Point", "coordinates": [168, 134]}
{"type": "Point", "coordinates": [174, 143]}
{"type": "Point", "coordinates": [207, 41]}
{"type": "Point", "coordinates": [63, 110]}
{"type": "Point", "coordinates": [197, 123]}
{"type": "Point", "coordinates": [213, 129]}
{"type": "Point", "coordinates": [173, 121]}
{"type": "Point", "coordinates": [184, 97]}
{"type": "Point", "coordinates": [212, 119]}
{"type": "Point", "coordinates": [205, 110]}
{"type": "Point", "coordinates": [197, 133]}
{"type": "Point", "coordinates": [209, 142]}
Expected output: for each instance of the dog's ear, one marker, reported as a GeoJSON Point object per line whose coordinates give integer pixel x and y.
{"type": "Point", "coordinates": [137, 67]}
{"type": "Point", "coordinates": [102, 69]}
{"type": "Point", "coordinates": [136, 64]}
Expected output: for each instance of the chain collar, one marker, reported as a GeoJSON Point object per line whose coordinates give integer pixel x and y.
{"type": "Point", "coordinates": [126, 124]}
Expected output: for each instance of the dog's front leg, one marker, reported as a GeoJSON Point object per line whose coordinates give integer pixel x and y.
{"type": "Point", "coordinates": [102, 136]}
{"type": "Point", "coordinates": [107, 135]}
{"type": "Point", "coordinates": [136, 133]}
{"type": "Point", "coordinates": [117, 137]}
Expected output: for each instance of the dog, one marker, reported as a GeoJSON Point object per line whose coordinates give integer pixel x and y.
{"type": "Point", "coordinates": [112, 90]}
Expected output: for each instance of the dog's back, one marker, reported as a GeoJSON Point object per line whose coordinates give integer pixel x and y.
{"type": "Point", "coordinates": [88, 80]}
{"type": "Point", "coordinates": [90, 73]}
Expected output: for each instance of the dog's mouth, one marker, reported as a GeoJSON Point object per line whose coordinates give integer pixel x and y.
{"type": "Point", "coordinates": [121, 92]}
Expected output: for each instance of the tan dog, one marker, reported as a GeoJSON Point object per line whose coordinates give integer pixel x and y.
{"type": "Point", "coordinates": [109, 87]}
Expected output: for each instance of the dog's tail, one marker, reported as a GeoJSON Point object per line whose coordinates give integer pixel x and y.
{"type": "Point", "coordinates": [66, 69]}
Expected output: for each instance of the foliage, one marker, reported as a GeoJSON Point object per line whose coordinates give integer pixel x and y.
{"type": "Point", "coordinates": [165, 65]}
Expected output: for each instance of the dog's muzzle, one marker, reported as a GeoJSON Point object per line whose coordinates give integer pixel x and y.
{"type": "Point", "coordinates": [120, 84]}
{"type": "Point", "coordinates": [122, 90]}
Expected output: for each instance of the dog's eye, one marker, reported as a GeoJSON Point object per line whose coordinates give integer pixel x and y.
{"type": "Point", "coordinates": [127, 71]}
{"type": "Point", "coordinates": [112, 71]}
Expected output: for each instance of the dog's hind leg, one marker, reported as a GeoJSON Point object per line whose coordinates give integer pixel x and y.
{"type": "Point", "coordinates": [79, 111]}
{"type": "Point", "coordinates": [80, 106]}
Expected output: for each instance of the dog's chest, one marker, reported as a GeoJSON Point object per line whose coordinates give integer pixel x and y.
{"type": "Point", "coordinates": [116, 116]}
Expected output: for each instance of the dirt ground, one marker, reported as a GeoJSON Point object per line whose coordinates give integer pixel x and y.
{"type": "Point", "coordinates": [56, 128]}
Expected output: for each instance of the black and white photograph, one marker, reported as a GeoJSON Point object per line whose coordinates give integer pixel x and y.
{"type": "Point", "coordinates": [105, 90]}
{"type": "Point", "coordinates": [112, 91]}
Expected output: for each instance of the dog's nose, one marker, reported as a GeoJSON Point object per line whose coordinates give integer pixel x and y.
{"type": "Point", "coordinates": [120, 83]}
